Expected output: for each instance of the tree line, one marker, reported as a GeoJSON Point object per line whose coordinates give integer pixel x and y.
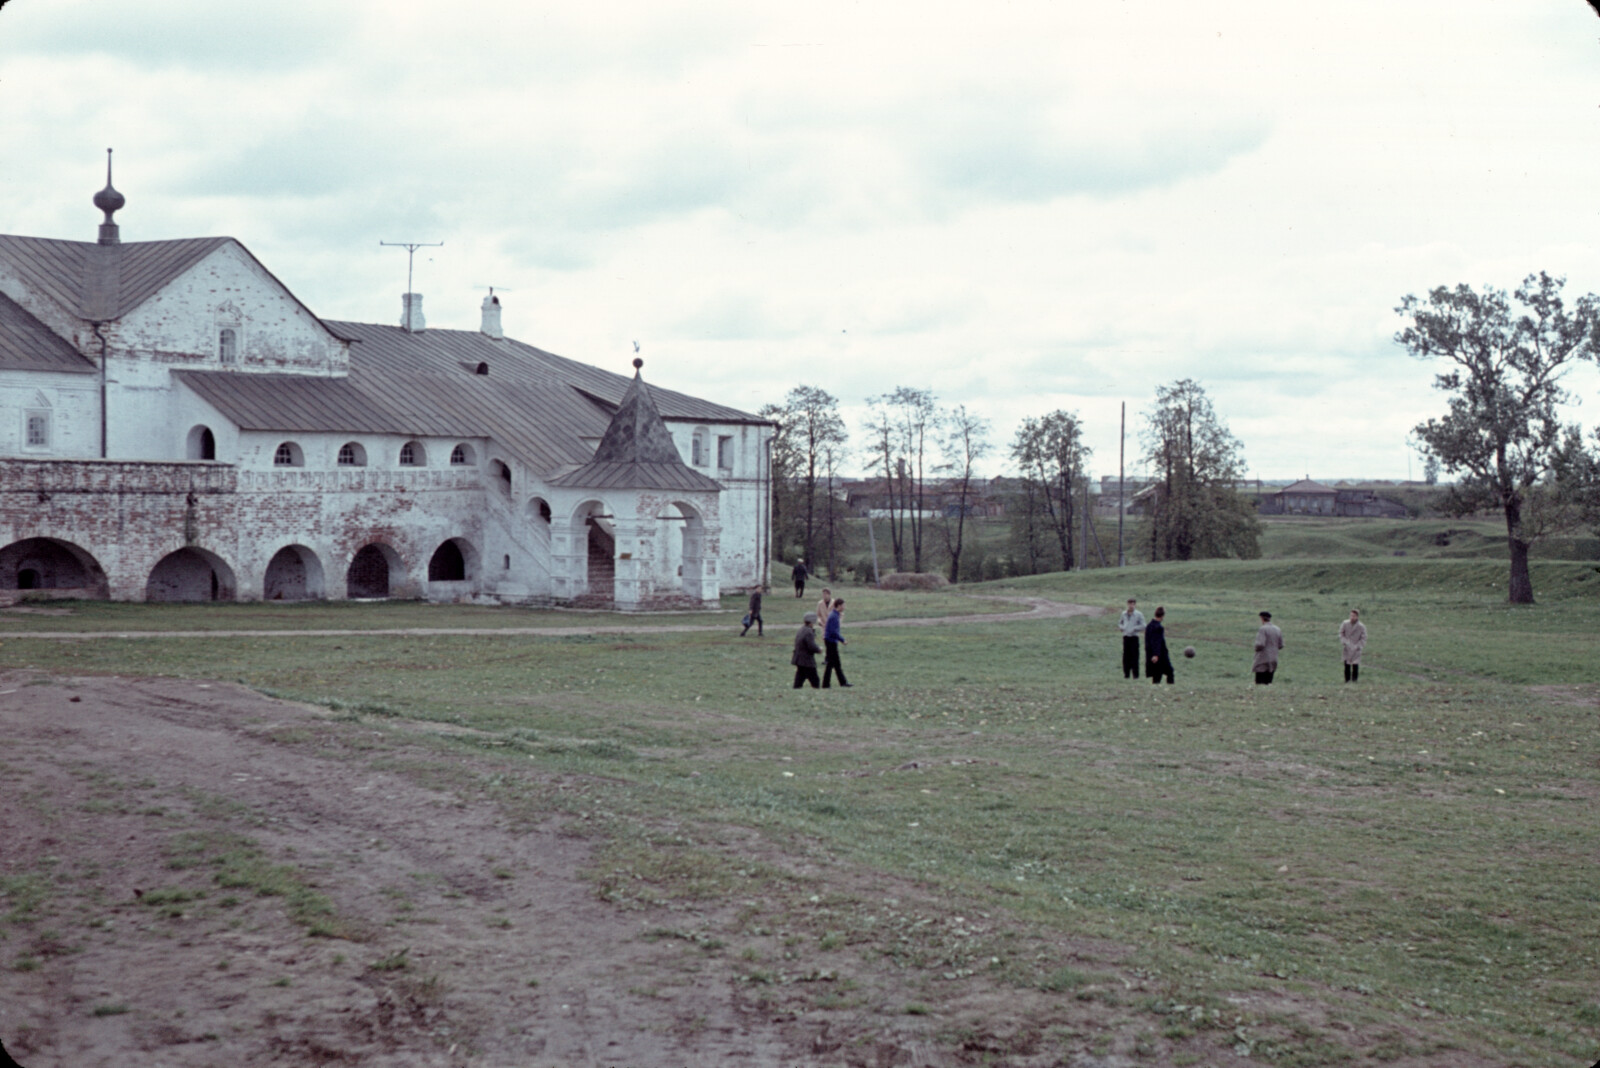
{"type": "Point", "coordinates": [922, 461]}
{"type": "Point", "coordinates": [1501, 437]}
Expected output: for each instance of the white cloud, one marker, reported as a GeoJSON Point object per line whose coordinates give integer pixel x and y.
{"type": "Point", "coordinates": [1022, 206]}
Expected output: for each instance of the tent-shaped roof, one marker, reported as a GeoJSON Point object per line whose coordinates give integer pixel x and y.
{"type": "Point", "coordinates": [637, 451]}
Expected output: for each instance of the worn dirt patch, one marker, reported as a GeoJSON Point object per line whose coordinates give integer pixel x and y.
{"type": "Point", "coordinates": [194, 874]}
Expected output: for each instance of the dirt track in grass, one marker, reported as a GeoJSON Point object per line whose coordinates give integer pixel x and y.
{"type": "Point", "coordinates": [112, 956]}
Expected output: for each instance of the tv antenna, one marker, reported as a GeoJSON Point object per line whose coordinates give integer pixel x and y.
{"type": "Point", "coordinates": [411, 253]}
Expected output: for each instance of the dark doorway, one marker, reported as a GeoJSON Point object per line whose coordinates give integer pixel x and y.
{"type": "Point", "coordinates": [368, 576]}
{"type": "Point", "coordinates": [602, 563]}
{"type": "Point", "coordinates": [447, 565]}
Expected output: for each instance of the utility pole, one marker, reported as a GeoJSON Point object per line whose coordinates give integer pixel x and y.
{"type": "Point", "coordinates": [411, 254]}
{"type": "Point", "coordinates": [1122, 444]}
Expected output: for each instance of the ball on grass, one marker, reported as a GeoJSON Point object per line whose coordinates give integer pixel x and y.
{"type": "Point", "coordinates": [1189, 652]}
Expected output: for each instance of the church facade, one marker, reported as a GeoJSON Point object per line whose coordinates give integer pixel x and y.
{"type": "Point", "coordinates": [176, 425]}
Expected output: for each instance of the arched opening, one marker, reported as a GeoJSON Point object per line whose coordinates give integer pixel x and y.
{"type": "Point", "coordinates": [352, 454]}
{"type": "Point", "coordinates": [502, 475]}
{"type": "Point", "coordinates": [190, 574]}
{"type": "Point", "coordinates": [288, 454]}
{"type": "Point", "coordinates": [202, 444]}
{"type": "Point", "coordinates": [462, 455]}
{"type": "Point", "coordinates": [594, 537]}
{"type": "Point", "coordinates": [49, 564]}
{"type": "Point", "coordinates": [688, 544]}
{"type": "Point", "coordinates": [453, 561]}
{"type": "Point", "coordinates": [412, 454]}
{"type": "Point", "coordinates": [368, 575]}
{"type": "Point", "coordinates": [293, 574]}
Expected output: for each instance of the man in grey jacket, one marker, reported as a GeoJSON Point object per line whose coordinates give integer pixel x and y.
{"type": "Point", "coordinates": [805, 653]}
{"type": "Point", "coordinates": [1269, 639]}
{"type": "Point", "coordinates": [1131, 624]}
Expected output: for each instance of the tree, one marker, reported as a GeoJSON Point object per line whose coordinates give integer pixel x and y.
{"type": "Point", "coordinates": [810, 427]}
{"type": "Point", "coordinates": [786, 504]}
{"type": "Point", "coordinates": [1051, 454]}
{"type": "Point", "coordinates": [1196, 511]}
{"type": "Point", "coordinates": [1501, 434]}
{"type": "Point", "coordinates": [964, 440]}
{"type": "Point", "coordinates": [900, 423]}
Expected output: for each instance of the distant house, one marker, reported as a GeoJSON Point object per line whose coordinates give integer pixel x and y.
{"type": "Point", "coordinates": [940, 496]}
{"type": "Point", "coordinates": [1307, 497]}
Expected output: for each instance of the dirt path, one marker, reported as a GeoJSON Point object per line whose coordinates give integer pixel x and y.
{"type": "Point", "coordinates": [1038, 608]}
{"type": "Point", "coordinates": [192, 874]}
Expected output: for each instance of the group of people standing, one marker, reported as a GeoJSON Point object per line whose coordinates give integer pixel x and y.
{"type": "Point", "coordinates": [806, 649]}
{"type": "Point", "coordinates": [1157, 660]}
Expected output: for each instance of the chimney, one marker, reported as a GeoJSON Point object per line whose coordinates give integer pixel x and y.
{"type": "Point", "coordinates": [411, 319]}
{"type": "Point", "coordinates": [491, 317]}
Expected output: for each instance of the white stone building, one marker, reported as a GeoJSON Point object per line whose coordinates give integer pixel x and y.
{"type": "Point", "coordinates": [175, 424]}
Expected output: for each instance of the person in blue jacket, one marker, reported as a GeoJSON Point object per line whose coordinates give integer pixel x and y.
{"type": "Point", "coordinates": [831, 640]}
{"type": "Point", "coordinates": [1158, 661]}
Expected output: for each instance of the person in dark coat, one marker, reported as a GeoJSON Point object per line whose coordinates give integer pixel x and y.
{"type": "Point", "coordinates": [800, 575]}
{"type": "Point", "coordinates": [805, 653]}
{"type": "Point", "coordinates": [1159, 661]}
{"type": "Point", "coordinates": [832, 638]}
{"type": "Point", "coordinates": [754, 615]}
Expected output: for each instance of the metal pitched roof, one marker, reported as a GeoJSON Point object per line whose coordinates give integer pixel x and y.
{"type": "Point", "coordinates": [602, 476]}
{"type": "Point", "coordinates": [101, 282]}
{"type": "Point", "coordinates": [1306, 485]}
{"type": "Point", "coordinates": [26, 344]}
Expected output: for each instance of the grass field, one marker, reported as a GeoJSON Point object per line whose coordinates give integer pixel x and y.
{"type": "Point", "coordinates": [1412, 856]}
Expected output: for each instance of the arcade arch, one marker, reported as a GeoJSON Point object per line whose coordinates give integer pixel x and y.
{"type": "Point", "coordinates": [191, 574]}
{"type": "Point", "coordinates": [293, 574]}
{"type": "Point", "coordinates": [51, 564]}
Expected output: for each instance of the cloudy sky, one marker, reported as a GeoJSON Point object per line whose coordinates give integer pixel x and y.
{"type": "Point", "coordinates": [1021, 206]}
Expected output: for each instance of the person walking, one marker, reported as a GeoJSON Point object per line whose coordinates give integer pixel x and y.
{"type": "Point", "coordinates": [1269, 640]}
{"type": "Point", "coordinates": [800, 574]}
{"type": "Point", "coordinates": [1131, 624]}
{"type": "Point", "coordinates": [754, 615]}
{"type": "Point", "coordinates": [1353, 636]}
{"type": "Point", "coordinates": [805, 653]}
{"type": "Point", "coordinates": [825, 606]}
{"type": "Point", "coordinates": [832, 639]}
{"type": "Point", "coordinates": [1155, 649]}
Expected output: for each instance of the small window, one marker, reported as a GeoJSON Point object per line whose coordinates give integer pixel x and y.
{"type": "Point", "coordinates": [411, 455]}
{"type": "Point", "coordinates": [461, 455]}
{"type": "Point", "coordinates": [701, 447]}
{"type": "Point", "coordinates": [352, 455]}
{"type": "Point", "coordinates": [288, 455]}
{"type": "Point", "coordinates": [508, 562]}
{"type": "Point", "coordinates": [228, 345]}
{"type": "Point", "coordinates": [725, 453]}
{"type": "Point", "coordinates": [202, 443]}
{"type": "Point", "coordinates": [38, 430]}
{"type": "Point", "coordinates": [503, 473]}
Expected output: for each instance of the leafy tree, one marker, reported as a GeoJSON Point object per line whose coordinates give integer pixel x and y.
{"type": "Point", "coordinates": [810, 427]}
{"type": "Point", "coordinates": [1196, 511]}
{"type": "Point", "coordinates": [900, 423]}
{"type": "Point", "coordinates": [1051, 454]}
{"type": "Point", "coordinates": [964, 440]}
{"type": "Point", "coordinates": [1502, 434]}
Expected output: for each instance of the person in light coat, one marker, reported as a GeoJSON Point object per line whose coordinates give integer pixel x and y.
{"type": "Point", "coordinates": [1269, 640]}
{"type": "Point", "coordinates": [1131, 624]}
{"type": "Point", "coordinates": [1353, 636]}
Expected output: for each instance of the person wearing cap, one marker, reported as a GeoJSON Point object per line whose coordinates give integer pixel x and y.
{"type": "Point", "coordinates": [805, 653]}
{"type": "Point", "coordinates": [1269, 639]}
{"type": "Point", "coordinates": [1131, 624]}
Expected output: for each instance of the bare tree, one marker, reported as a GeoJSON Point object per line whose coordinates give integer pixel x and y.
{"type": "Point", "coordinates": [810, 426]}
{"type": "Point", "coordinates": [1051, 454]}
{"type": "Point", "coordinates": [963, 441]}
{"type": "Point", "coordinates": [900, 423]}
{"type": "Point", "coordinates": [1502, 434]}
